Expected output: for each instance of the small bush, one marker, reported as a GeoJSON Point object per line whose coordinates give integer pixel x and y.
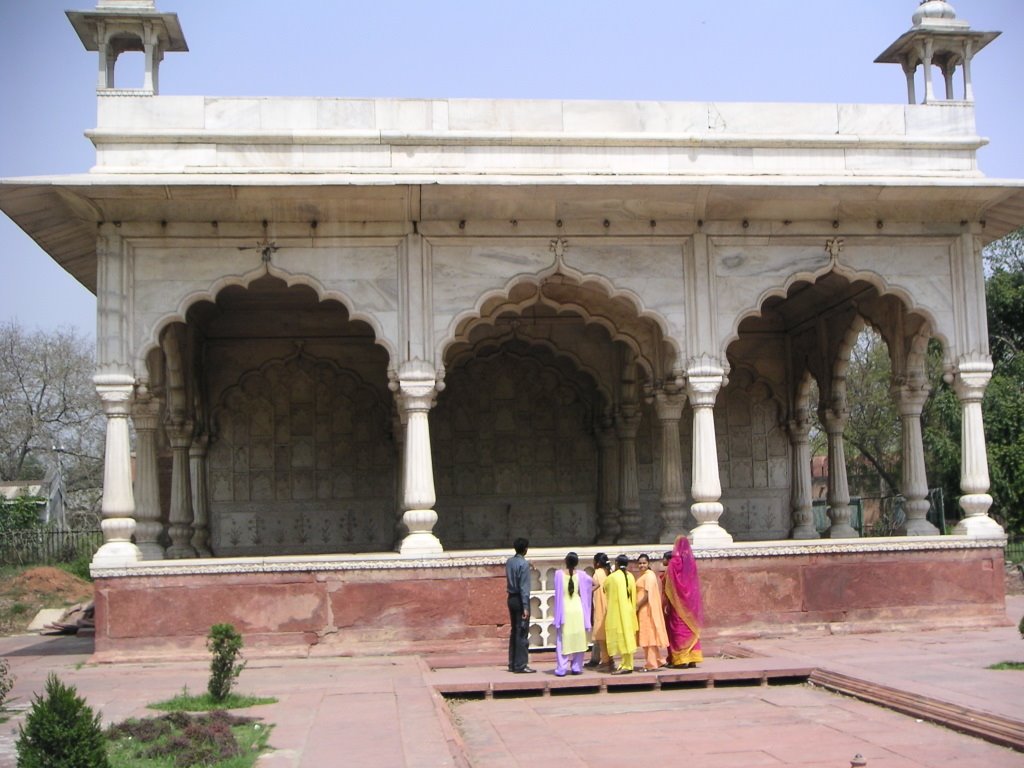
{"type": "Point", "coordinates": [225, 644]}
{"type": "Point", "coordinates": [186, 741]}
{"type": "Point", "coordinates": [6, 682]}
{"type": "Point", "coordinates": [61, 731]}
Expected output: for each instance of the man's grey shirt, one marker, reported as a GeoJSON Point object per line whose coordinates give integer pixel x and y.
{"type": "Point", "coordinates": [517, 575]}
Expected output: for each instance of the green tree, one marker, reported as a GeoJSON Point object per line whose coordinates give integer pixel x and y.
{"type": "Point", "coordinates": [61, 731]}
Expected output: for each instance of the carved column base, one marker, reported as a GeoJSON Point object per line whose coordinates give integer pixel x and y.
{"type": "Point", "coordinates": [805, 531]}
{"type": "Point", "coordinates": [841, 528]}
{"type": "Point", "coordinates": [673, 523]}
{"type": "Point", "coordinates": [118, 549]}
{"type": "Point", "coordinates": [917, 519]}
{"type": "Point", "coordinates": [420, 544]}
{"type": "Point", "coordinates": [151, 550]}
{"type": "Point", "coordinates": [708, 533]}
{"type": "Point", "coordinates": [977, 523]}
{"type": "Point", "coordinates": [182, 548]}
{"type": "Point", "coordinates": [420, 540]}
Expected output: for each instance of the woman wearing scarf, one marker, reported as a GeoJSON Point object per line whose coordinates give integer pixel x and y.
{"type": "Point", "coordinates": [572, 616]}
{"type": "Point", "coordinates": [684, 610]}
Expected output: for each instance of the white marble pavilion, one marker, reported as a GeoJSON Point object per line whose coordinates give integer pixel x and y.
{"type": "Point", "coordinates": [425, 325]}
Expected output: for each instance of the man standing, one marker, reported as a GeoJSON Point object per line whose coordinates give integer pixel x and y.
{"type": "Point", "coordinates": [517, 579]}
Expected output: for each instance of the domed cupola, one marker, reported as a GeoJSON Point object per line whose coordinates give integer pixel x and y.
{"type": "Point", "coordinates": [937, 39]}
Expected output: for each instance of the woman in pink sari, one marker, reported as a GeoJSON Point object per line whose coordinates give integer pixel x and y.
{"type": "Point", "coordinates": [684, 610]}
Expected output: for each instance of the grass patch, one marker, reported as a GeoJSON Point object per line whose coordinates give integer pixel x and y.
{"type": "Point", "coordinates": [1017, 665]}
{"type": "Point", "coordinates": [177, 740]}
{"type": "Point", "coordinates": [187, 702]}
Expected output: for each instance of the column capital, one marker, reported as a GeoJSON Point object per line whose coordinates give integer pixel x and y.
{"type": "Point", "coordinates": [971, 378]}
{"type": "Point", "coordinates": [200, 442]}
{"type": "Point", "coordinates": [669, 405]}
{"type": "Point", "coordinates": [911, 397]}
{"type": "Point", "coordinates": [415, 385]}
{"type": "Point", "coordinates": [116, 393]}
{"type": "Point", "coordinates": [179, 434]}
{"type": "Point", "coordinates": [834, 419]}
{"type": "Point", "coordinates": [627, 421]}
{"type": "Point", "coordinates": [703, 389]}
{"type": "Point", "coordinates": [799, 428]}
{"type": "Point", "coordinates": [146, 412]}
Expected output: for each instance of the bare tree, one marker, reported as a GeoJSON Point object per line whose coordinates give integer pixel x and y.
{"type": "Point", "coordinates": [50, 415]}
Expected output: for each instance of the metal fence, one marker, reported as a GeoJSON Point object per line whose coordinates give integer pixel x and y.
{"type": "Point", "coordinates": [1015, 549]}
{"type": "Point", "coordinates": [47, 547]}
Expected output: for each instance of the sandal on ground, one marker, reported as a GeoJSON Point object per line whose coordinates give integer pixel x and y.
{"type": "Point", "coordinates": [622, 671]}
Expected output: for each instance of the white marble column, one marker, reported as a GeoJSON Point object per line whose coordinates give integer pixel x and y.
{"type": "Point", "coordinates": [179, 527]}
{"type": "Point", "coordinates": [910, 399]}
{"type": "Point", "coordinates": [801, 495]}
{"type": "Point", "coordinates": [398, 430]}
{"type": "Point", "coordinates": [200, 498]}
{"type": "Point", "coordinates": [971, 380]}
{"type": "Point", "coordinates": [839, 512]}
{"type": "Point", "coordinates": [145, 417]}
{"type": "Point", "coordinates": [929, 87]}
{"type": "Point", "coordinates": [702, 388]}
{"type": "Point", "coordinates": [118, 503]}
{"type": "Point", "coordinates": [416, 390]}
{"type": "Point", "coordinates": [627, 424]}
{"type": "Point", "coordinates": [608, 493]}
{"type": "Point", "coordinates": [669, 409]}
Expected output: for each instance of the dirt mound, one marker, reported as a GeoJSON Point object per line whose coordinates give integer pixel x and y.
{"type": "Point", "coordinates": [51, 582]}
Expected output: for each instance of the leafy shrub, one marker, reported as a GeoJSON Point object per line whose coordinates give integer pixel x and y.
{"type": "Point", "coordinates": [225, 644]}
{"type": "Point", "coordinates": [6, 681]}
{"type": "Point", "coordinates": [61, 731]}
{"type": "Point", "coordinates": [183, 739]}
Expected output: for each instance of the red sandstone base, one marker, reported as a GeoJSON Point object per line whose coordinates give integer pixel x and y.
{"type": "Point", "coordinates": [462, 610]}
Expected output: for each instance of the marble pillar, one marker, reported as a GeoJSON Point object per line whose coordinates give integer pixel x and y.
{"type": "Point", "coordinates": [608, 528]}
{"type": "Point", "coordinates": [200, 498]}
{"type": "Point", "coordinates": [669, 407]}
{"type": "Point", "coordinates": [416, 389]}
{"type": "Point", "coordinates": [910, 399]}
{"type": "Point", "coordinates": [627, 424]}
{"type": "Point", "coordinates": [702, 388]}
{"type": "Point", "coordinates": [118, 503]}
{"type": "Point", "coordinates": [180, 517]}
{"type": "Point", "coordinates": [971, 379]}
{"type": "Point", "coordinates": [801, 495]}
{"type": "Point", "coordinates": [839, 511]}
{"type": "Point", "coordinates": [146, 419]}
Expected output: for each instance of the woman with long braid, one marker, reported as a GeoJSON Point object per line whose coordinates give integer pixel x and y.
{"type": "Point", "coordinates": [620, 625]}
{"type": "Point", "coordinates": [600, 658]}
{"type": "Point", "coordinates": [571, 621]}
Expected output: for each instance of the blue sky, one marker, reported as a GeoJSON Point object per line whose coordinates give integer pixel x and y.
{"type": "Point", "coordinates": [683, 50]}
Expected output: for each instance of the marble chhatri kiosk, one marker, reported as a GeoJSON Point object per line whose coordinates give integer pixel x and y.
{"type": "Point", "coordinates": [363, 344]}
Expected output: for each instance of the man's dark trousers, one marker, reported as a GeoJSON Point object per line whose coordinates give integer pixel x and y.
{"type": "Point", "coordinates": [518, 634]}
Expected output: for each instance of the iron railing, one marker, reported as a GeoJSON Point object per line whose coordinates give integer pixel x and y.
{"type": "Point", "coordinates": [47, 547]}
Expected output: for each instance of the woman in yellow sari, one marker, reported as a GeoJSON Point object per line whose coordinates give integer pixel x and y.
{"type": "Point", "coordinates": [620, 624]}
{"type": "Point", "coordinates": [684, 609]}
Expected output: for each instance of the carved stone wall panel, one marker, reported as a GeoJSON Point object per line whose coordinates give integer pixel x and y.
{"type": "Point", "coordinates": [514, 455]}
{"type": "Point", "coordinates": [301, 445]}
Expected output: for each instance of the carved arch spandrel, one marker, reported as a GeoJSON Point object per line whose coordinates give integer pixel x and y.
{"type": "Point", "coordinates": [818, 263]}
{"type": "Point", "coordinates": [150, 337]}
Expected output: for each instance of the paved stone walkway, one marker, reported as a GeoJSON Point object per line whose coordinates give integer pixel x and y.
{"type": "Point", "coordinates": [386, 711]}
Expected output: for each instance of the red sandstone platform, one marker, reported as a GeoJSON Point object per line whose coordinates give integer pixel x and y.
{"type": "Point", "coordinates": [389, 711]}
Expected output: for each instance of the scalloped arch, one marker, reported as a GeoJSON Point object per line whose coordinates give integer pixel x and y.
{"type": "Point", "coordinates": [493, 344]}
{"type": "Point", "coordinates": [872, 278]}
{"type": "Point", "coordinates": [462, 323]}
{"type": "Point", "coordinates": [151, 340]}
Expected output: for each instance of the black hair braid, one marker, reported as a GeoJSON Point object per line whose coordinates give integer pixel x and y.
{"type": "Point", "coordinates": [571, 561]}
